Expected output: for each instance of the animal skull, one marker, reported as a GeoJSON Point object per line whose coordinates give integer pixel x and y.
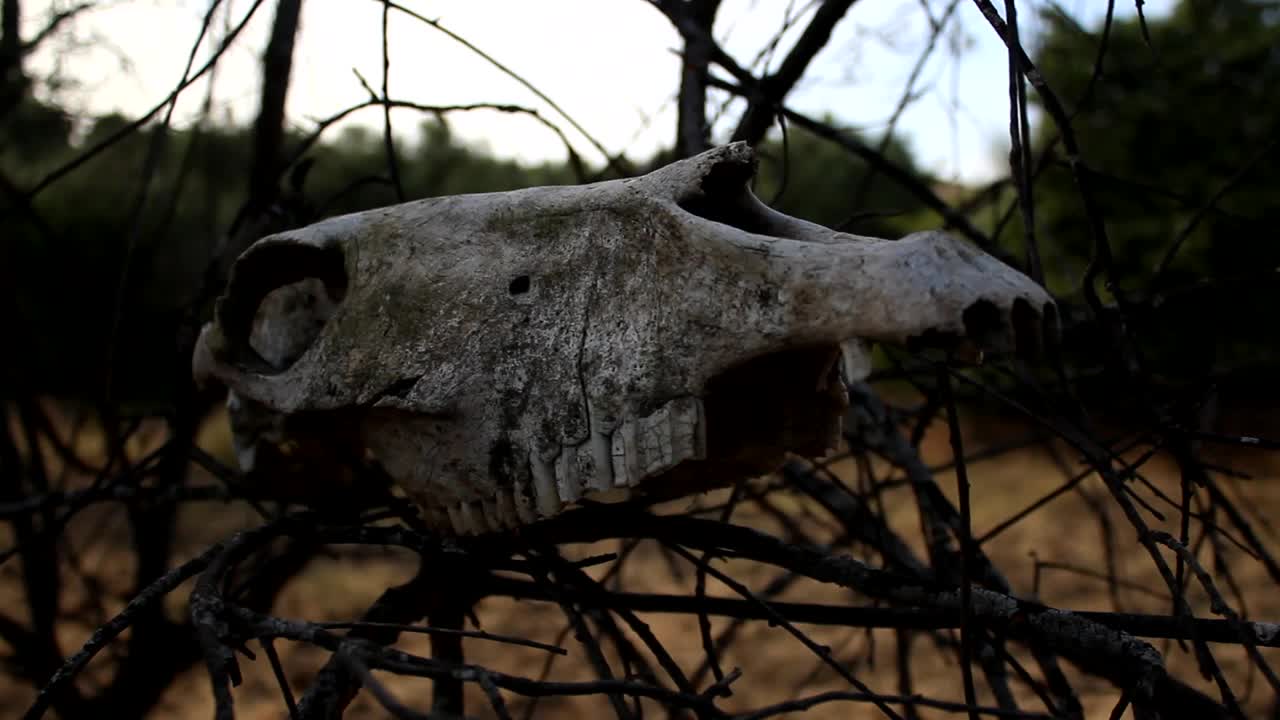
{"type": "Point", "coordinates": [504, 355]}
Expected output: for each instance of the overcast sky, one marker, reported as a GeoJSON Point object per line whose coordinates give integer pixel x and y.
{"type": "Point", "coordinates": [608, 63]}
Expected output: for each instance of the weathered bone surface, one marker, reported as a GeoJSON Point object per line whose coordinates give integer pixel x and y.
{"type": "Point", "coordinates": [505, 355]}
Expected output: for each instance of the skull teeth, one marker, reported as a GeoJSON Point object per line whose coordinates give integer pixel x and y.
{"type": "Point", "coordinates": [644, 447]}
{"type": "Point", "coordinates": [524, 504]}
{"type": "Point", "coordinates": [544, 487]}
{"type": "Point", "coordinates": [598, 468]}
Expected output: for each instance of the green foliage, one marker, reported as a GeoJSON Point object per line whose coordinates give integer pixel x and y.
{"type": "Point", "coordinates": [32, 131]}
{"type": "Point", "coordinates": [66, 268]}
{"type": "Point", "coordinates": [437, 164]}
{"type": "Point", "coordinates": [1166, 128]}
{"type": "Point", "coordinates": [98, 220]}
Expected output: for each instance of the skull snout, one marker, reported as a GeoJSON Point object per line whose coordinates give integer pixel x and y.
{"type": "Point", "coordinates": [1020, 328]}
{"type": "Point", "coordinates": [926, 290]}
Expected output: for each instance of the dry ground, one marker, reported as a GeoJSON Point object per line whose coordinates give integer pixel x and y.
{"type": "Point", "coordinates": [775, 666]}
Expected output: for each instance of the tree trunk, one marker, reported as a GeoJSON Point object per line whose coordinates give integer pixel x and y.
{"type": "Point", "coordinates": [268, 130]}
{"type": "Point", "coordinates": [13, 80]}
{"type": "Point", "coordinates": [692, 134]}
{"type": "Point", "coordinates": [255, 218]}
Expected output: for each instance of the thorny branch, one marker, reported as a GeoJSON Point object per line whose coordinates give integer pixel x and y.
{"type": "Point", "coordinates": [812, 530]}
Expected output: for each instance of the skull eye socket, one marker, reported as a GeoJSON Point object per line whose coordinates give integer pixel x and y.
{"type": "Point", "coordinates": [278, 299]}
{"type": "Point", "coordinates": [288, 321]}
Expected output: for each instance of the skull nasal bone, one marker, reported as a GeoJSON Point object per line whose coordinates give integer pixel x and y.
{"type": "Point", "coordinates": [725, 197]}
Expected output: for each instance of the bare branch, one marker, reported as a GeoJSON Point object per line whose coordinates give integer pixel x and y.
{"type": "Point", "coordinates": [772, 90]}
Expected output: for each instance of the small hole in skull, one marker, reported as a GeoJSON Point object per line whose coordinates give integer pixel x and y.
{"type": "Point", "coordinates": [519, 285]}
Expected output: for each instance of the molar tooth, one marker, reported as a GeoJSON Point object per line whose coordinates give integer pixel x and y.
{"type": "Point", "coordinates": [437, 517]}
{"type": "Point", "coordinates": [455, 520]}
{"type": "Point", "coordinates": [486, 514]}
{"type": "Point", "coordinates": [655, 440]}
{"type": "Point", "coordinates": [471, 524]}
{"type": "Point", "coordinates": [599, 447]}
{"type": "Point", "coordinates": [626, 452]}
{"type": "Point", "coordinates": [498, 518]}
{"type": "Point", "coordinates": [505, 510]}
{"type": "Point", "coordinates": [568, 480]}
{"type": "Point", "coordinates": [645, 446]}
{"type": "Point", "coordinates": [688, 430]}
{"type": "Point", "coordinates": [544, 486]}
{"type": "Point", "coordinates": [618, 457]}
{"type": "Point", "coordinates": [601, 461]}
{"type": "Point", "coordinates": [523, 498]}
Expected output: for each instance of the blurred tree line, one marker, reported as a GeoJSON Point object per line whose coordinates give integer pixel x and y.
{"type": "Point", "coordinates": [70, 264]}
{"type": "Point", "coordinates": [105, 272]}
{"type": "Point", "coordinates": [1178, 127]}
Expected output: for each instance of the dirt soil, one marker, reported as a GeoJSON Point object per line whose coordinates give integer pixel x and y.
{"type": "Point", "coordinates": [774, 665]}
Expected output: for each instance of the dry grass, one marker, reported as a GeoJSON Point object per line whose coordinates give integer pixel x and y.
{"type": "Point", "coordinates": [774, 665]}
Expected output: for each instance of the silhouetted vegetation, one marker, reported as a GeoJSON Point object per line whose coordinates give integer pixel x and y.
{"type": "Point", "coordinates": [72, 261]}
{"type": "Point", "coordinates": [1145, 207]}
{"type": "Point", "coordinates": [1178, 125]}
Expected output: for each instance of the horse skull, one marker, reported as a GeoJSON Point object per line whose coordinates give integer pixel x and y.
{"type": "Point", "coordinates": [504, 355]}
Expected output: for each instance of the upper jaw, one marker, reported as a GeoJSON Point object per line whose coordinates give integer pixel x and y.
{"type": "Point", "coordinates": [801, 291]}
